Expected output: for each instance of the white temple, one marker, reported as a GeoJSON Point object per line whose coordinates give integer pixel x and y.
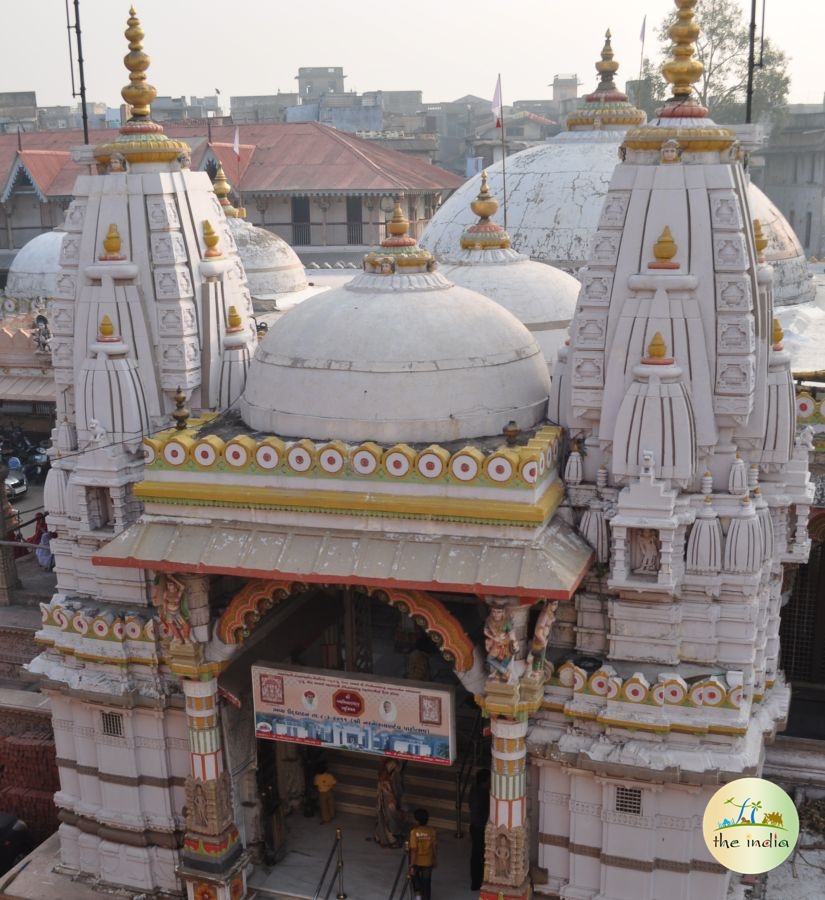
{"type": "Point", "coordinates": [394, 442]}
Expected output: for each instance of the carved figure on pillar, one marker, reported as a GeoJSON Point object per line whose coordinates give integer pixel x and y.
{"type": "Point", "coordinates": [500, 644]}
{"type": "Point", "coordinates": [169, 596]}
{"type": "Point", "coordinates": [541, 636]}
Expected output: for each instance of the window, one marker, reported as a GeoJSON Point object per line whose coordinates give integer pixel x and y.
{"type": "Point", "coordinates": [629, 800]}
{"type": "Point", "coordinates": [112, 724]}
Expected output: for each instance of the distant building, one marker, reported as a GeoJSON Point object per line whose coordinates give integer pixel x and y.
{"type": "Point", "coordinates": [311, 185]}
{"type": "Point", "coordinates": [794, 174]}
{"type": "Point", "coordinates": [314, 81]}
{"type": "Point", "coordinates": [261, 107]}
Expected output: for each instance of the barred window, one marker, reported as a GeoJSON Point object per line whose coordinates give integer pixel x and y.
{"type": "Point", "coordinates": [112, 724]}
{"type": "Point", "coordinates": [629, 800]}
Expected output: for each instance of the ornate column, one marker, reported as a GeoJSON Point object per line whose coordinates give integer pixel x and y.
{"type": "Point", "coordinates": [513, 692]}
{"type": "Point", "coordinates": [212, 861]}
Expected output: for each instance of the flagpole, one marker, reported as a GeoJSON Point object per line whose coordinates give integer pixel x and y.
{"type": "Point", "coordinates": [641, 62]}
{"type": "Point", "coordinates": [503, 157]}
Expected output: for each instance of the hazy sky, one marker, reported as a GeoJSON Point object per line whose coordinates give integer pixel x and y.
{"type": "Point", "coordinates": [446, 48]}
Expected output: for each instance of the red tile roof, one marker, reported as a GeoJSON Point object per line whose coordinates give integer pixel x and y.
{"type": "Point", "coordinates": [305, 157]}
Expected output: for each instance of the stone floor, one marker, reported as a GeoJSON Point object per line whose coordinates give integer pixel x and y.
{"type": "Point", "coordinates": [369, 870]}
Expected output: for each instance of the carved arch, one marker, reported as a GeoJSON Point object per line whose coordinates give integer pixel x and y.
{"type": "Point", "coordinates": [430, 614]}
{"type": "Point", "coordinates": [256, 598]}
{"type": "Point", "coordinates": [252, 602]}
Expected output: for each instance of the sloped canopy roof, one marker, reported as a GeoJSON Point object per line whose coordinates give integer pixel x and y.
{"type": "Point", "coordinates": [551, 566]}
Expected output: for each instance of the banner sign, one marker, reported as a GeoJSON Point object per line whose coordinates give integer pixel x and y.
{"type": "Point", "coordinates": [386, 717]}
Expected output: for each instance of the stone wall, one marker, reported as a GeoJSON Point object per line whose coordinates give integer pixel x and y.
{"type": "Point", "coordinates": [28, 770]}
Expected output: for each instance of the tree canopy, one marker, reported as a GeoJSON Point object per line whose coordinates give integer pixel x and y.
{"type": "Point", "coordinates": [722, 48]}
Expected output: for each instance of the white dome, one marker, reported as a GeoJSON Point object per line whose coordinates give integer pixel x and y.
{"type": "Point", "coordinates": [541, 297]}
{"type": "Point", "coordinates": [34, 270]}
{"type": "Point", "coordinates": [554, 201]}
{"type": "Point", "coordinates": [272, 267]}
{"type": "Point", "coordinates": [396, 357]}
{"type": "Point", "coordinates": [793, 281]}
{"type": "Point", "coordinates": [554, 198]}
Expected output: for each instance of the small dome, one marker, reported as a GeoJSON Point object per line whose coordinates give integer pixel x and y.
{"type": "Point", "coordinates": [397, 354]}
{"type": "Point", "coordinates": [793, 281]}
{"type": "Point", "coordinates": [34, 270]}
{"type": "Point", "coordinates": [539, 296]}
{"type": "Point", "coordinates": [272, 267]}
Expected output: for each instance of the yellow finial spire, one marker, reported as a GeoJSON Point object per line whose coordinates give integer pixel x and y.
{"type": "Point", "coordinates": [222, 188]}
{"type": "Point", "coordinates": [657, 348]}
{"type": "Point", "coordinates": [106, 329]}
{"type": "Point", "coordinates": [607, 66]}
{"type": "Point", "coordinates": [138, 93]}
{"type": "Point", "coordinates": [682, 70]}
{"type": "Point", "coordinates": [399, 224]}
{"type": "Point", "coordinates": [210, 238]}
{"type": "Point", "coordinates": [233, 318]}
{"type": "Point", "coordinates": [485, 204]}
{"type": "Point", "coordinates": [111, 243]}
{"type": "Point", "coordinates": [759, 239]}
{"type": "Point", "coordinates": [665, 247]}
{"type": "Point", "coordinates": [778, 335]}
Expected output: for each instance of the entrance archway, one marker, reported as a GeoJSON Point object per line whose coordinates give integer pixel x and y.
{"type": "Point", "coordinates": [243, 627]}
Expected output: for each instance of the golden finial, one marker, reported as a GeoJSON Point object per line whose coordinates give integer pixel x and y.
{"type": "Point", "coordinates": [759, 239]}
{"type": "Point", "coordinates": [210, 238]}
{"type": "Point", "coordinates": [111, 244]}
{"type": "Point", "coordinates": [665, 248]}
{"type": "Point", "coordinates": [221, 186]}
{"type": "Point", "coordinates": [511, 431]}
{"type": "Point", "coordinates": [485, 204]}
{"type": "Point", "coordinates": [399, 224]}
{"type": "Point", "coordinates": [138, 93]}
{"type": "Point", "coordinates": [682, 70]}
{"type": "Point", "coordinates": [180, 413]}
{"type": "Point", "coordinates": [106, 329]}
{"type": "Point", "coordinates": [778, 335]}
{"type": "Point", "coordinates": [657, 348]}
{"type": "Point", "coordinates": [607, 66]}
{"type": "Point", "coordinates": [233, 318]}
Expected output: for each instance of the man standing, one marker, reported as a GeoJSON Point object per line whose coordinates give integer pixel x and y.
{"type": "Point", "coordinates": [422, 854]}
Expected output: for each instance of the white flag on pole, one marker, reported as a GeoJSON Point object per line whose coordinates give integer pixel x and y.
{"type": "Point", "coordinates": [496, 104]}
{"type": "Point", "coordinates": [236, 145]}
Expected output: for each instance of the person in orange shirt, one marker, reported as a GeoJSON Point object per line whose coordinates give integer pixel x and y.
{"type": "Point", "coordinates": [324, 783]}
{"type": "Point", "coordinates": [423, 854]}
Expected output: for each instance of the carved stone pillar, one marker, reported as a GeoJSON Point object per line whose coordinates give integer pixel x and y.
{"type": "Point", "coordinates": [212, 860]}
{"type": "Point", "coordinates": [506, 838]}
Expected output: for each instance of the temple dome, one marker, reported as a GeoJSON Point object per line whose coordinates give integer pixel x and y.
{"type": "Point", "coordinates": [397, 354]}
{"type": "Point", "coordinates": [541, 297]}
{"type": "Point", "coordinates": [272, 267]}
{"type": "Point", "coordinates": [34, 270]}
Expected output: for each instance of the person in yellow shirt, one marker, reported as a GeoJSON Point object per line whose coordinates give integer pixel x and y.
{"type": "Point", "coordinates": [324, 783]}
{"type": "Point", "coordinates": [423, 854]}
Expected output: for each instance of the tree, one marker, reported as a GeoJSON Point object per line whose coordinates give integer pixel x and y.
{"type": "Point", "coordinates": [722, 48]}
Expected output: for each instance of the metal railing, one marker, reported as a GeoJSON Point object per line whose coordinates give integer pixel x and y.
{"type": "Point", "coordinates": [403, 878]}
{"type": "Point", "coordinates": [337, 875]}
{"type": "Point", "coordinates": [469, 763]}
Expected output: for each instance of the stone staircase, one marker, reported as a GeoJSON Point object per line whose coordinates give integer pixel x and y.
{"type": "Point", "coordinates": [427, 785]}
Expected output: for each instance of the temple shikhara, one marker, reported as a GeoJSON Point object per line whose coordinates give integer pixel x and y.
{"type": "Point", "coordinates": [596, 544]}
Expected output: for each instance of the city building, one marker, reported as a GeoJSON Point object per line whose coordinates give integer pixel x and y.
{"type": "Point", "coordinates": [794, 173]}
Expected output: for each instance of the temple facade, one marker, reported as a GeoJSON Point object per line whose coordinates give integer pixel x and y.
{"type": "Point", "coordinates": [397, 441]}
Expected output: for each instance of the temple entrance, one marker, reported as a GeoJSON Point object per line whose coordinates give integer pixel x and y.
{"type": "Point", "coordinates": [343, 630]}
